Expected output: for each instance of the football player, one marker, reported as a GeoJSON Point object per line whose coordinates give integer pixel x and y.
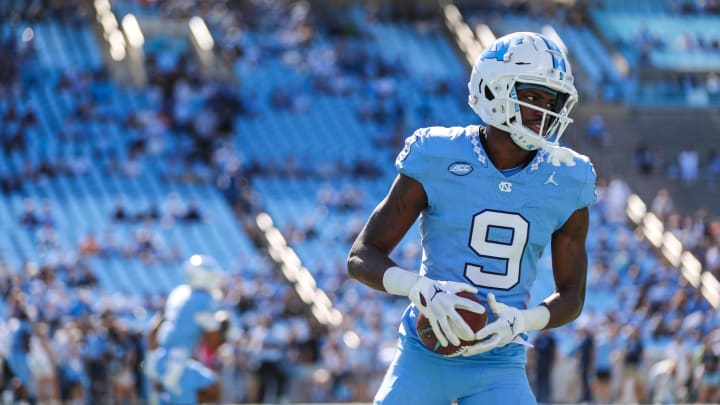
{"type": "Point", "coordinates": [191, 315]}
{"type": "Point", "coordinates": [18, 357]}
{"type": "Point", "coordinates": [489, 198]}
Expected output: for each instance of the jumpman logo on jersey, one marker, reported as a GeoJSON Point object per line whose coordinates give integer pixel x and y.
{"type": "Point", "coordinates": [551, 180]}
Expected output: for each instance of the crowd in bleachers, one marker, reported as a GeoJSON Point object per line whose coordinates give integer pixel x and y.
{"type": "Point", "coordinates": [641, 52]}
{"type": "Point", "coordinates": [88, 342]}
{"type": "Point", "coordinates": [694, 6]}
{"type": "Point", "coordinates": [638, 311]}
{"type": "Point", "coordinates": [699, 231]}
{"type": "Point", "coordinates": [70, 327]}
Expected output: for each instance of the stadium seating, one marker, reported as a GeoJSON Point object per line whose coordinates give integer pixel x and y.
{"type": "Point", "coordinates": [306, 201]}
{"type": "Point", "coordinates": [84, 203]}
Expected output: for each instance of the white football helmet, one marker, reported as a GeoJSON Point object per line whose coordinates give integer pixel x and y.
{"type": "Point", "coordinates": [202, 272]}
{"type": "Point", "coordinates": [522, 58]}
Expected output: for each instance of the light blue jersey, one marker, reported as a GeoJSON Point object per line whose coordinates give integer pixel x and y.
{"type": "Point", "coordinates": [21, 332]}
{"type": "Point", "coordinates": [504, 221]}
{"type": "Point", "coordinates": [189, 313]}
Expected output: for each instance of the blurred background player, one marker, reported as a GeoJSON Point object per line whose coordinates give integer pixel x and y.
{"type": "Point", "coordinates": [489, 198]}
{"type": "Point", "coordinates": [191, 317]}
{"type": "Point", "coordinates": [18, 359]}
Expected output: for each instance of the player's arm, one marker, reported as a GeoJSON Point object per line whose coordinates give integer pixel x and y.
{"type": "Point", "coordinates": [369, 262]}
{"type": "Point", "coordinates": [215, 325]}
{"type": "Point", "coordinates": [569, 262]}
{"type": "Point", "coordinates": [155, 324]}
{"type": "Point", "coordinates": [387, 225]}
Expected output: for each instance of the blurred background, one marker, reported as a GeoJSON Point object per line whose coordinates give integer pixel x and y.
{"type": "Point", "coordinates": [263, 132]}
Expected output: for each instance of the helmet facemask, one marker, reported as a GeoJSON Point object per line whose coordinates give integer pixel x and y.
{"type": "Point", "coordinates": [552, 124]}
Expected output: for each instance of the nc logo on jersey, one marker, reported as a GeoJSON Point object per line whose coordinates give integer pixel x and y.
{"type": "Point", "coordinates": [505, 186]}
{"type": "Point", "coordinates": [460, 168]}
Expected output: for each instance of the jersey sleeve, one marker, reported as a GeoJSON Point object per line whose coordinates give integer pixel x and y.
{"type": "Point", "coordinates": [207, 321]}
{"type": "Point", "coordinates": [588, 195]}
{"type": "Point", "coordinates": [205, 315]}
{"type": "Point", "coordinates": [411, 161]}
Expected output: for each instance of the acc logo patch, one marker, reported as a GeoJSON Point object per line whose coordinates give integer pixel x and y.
{"type": "Point", "coordinates": [460, 168]}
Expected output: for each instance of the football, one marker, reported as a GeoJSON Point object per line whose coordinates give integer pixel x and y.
{"type": "Point", "coordinates": [428, 338]}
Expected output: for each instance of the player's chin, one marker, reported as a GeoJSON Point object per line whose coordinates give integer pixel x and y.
{"type": "Point", "coordinates": [535, 128]}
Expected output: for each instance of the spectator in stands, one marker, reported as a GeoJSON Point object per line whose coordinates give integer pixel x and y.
{"type": "Point", "coordinates": [109, 245]}
{"type": "Point", "coordinates": [46, 216]}
{"type": "Point", "coordinates": [685, 41]}
{"type": "Point", "coordinates": [662, 204]}
{"type": "Point", "coordinates": [688, 162]}
{"type": "Point", "coordinates": [711, 171]}
{"type": "Point", "coordinates": [77, 165]}
{"type": "Point", "coordinates": [131, 167]}
{"type": "Point", "coordinates": [173, 209]}
{"type": "Point", "coordinates": [709, 370]}
{"type": "Point", "coordinates": [647, 42]}
{"type": "Point", "coordinates": [119, 213]}
{"type": "Point", "coordinates": [365, 168]}
{"type": "Point", "coordinates": [89, 245]}
{"type": "Point", "coordinates": [46, 240]}
{"type": "Point", "coordinates": [10, 183]}
{"type": "Point", "coordinates": [29, 217]}
{"type": "Point", "coordinates": [606, 355]}
{"type": "Point", "coordinates": [149, 213]}
{"type": "Point", "coordinates": [644, 159]}
{"type": "Point", "coordinates": [617, 195]}
{"type": "Point", "coordinates": [43, 365]}
{"type": "Point", "coordinates": [145, 245]}
{"type": "Point", "coordinates": [192, 212]}
{"type": "Point", "coordinates": [75, 381]}
{"type": "Point", "coordinates": [713, 83]}
{"type": "Point", "coordinates": [270, 340]}
{"type": "Point", "coordinates": [632, 384]}
{"type": "Point", "coordinates": [81, 275]}
{"type": "Point", "coordinates": [546, 352]}
{"type": "Point", "coordinates": [585, 351]}
{"type": "Point", "coordinates": [123, 378]}
{"type": "Point", "coordinates": [595, 131]}
{"type": "Point", "coordinates": [712, 257]}
{"type": "Point", "coordinates": [678, 352]}
{"type": "Point", "coordinates": [18, 356]}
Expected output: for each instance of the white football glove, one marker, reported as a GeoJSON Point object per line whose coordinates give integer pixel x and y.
{"type": "Point", "coordinates": [559, 155]}
{"type": "Point", "coordinates": [510, 323]}
{"type": "Point", "coordinates": [437, 301]}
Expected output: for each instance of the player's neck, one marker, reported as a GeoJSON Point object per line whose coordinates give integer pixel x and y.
{"type": "Point", "coordinates": [502, 151]}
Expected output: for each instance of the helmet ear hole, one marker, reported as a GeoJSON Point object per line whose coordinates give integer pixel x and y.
{"type": "Point", "coordinates": [560, 102]}
{"type": "Point", "coordinates": [488, 93]}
